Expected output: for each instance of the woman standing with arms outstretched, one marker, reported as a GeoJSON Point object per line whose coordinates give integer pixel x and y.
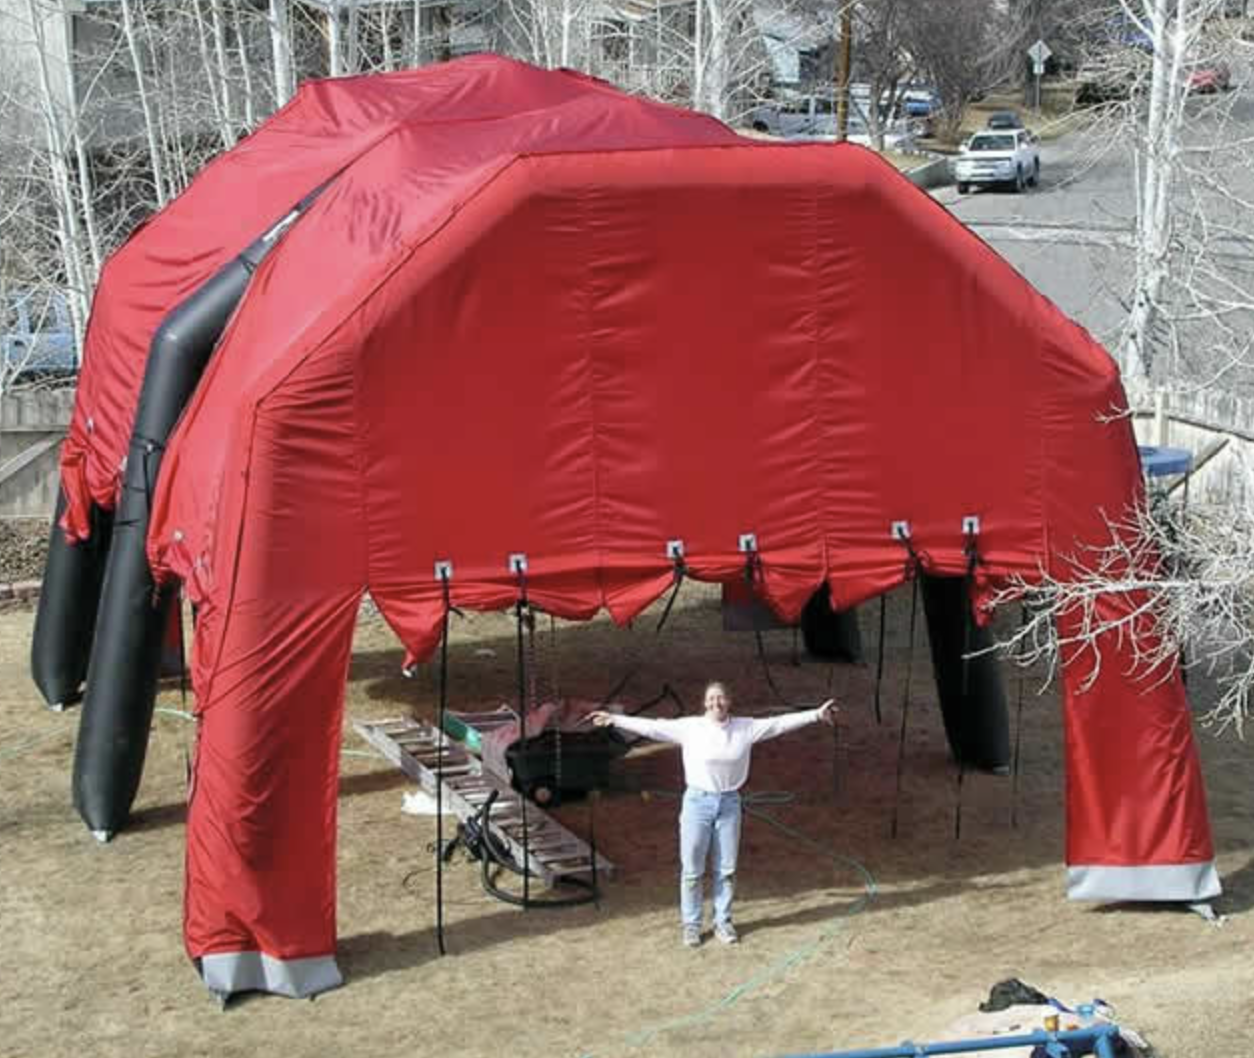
{"type": "Point", "coordinates": [716, 748]}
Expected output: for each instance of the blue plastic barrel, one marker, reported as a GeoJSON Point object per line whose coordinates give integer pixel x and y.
{"type": "Point", "coordinates": [1159, 461]}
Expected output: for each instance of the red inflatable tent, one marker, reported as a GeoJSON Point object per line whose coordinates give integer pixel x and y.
{"type": "Point", "coordinates": [531, 315]}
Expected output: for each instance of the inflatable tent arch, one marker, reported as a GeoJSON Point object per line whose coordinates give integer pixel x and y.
{"type": "Point", "coordinates": [529, 314]}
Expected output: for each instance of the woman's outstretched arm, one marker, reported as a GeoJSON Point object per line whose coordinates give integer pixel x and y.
{"type": "Point", "coordinates": [773, 726]}
{"type": "Point", "coordinates": [646, 727]}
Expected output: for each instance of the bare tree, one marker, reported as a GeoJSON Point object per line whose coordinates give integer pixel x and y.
{"type": "Point", "coordinates": [949, 42]}
{"type": "Point", "coordinates": [1063, 24]}
{"type": "Point", "coordinates": [1174, 582]}
{"type": "Point", "coordinates": [549, 33]}
{"type": "Point", "coordinates": [150, 123]}
{"type": "Point", "coordinates": [280, 33]}
{"type": "Point", "coordinates": [18, 188]}
{"type": "Point", "coordinates": [67, 196]}
{"type": "Point", "coordinates": [727, 54]}
{"type": "Point", "coordinates": [883, 61]}
{"type": "Point", "coordinates": [1159, 72]}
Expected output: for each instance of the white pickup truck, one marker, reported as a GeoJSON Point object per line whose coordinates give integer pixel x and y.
{"type": "Point", "coordinates": [1006, 156]}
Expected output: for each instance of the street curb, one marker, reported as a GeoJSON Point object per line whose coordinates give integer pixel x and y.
{"type": "Point", "coordinates": [935, 173]}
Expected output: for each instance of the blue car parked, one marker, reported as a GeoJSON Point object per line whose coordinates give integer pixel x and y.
{"type": "Point", "coordinates": [36, 336]}
{"type": "Point", "coordinates": [918, 103]}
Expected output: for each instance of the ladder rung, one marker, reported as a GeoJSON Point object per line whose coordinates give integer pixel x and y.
{"type": "Point", "coordinates": [553, 845]}
{"type": "Point", "coordinates": [394, 727]}
{"type": "Point", "coordinates": [550, 850]}
{"type": "Point", "coordinates": [570, 867]}
{"type": "Point", "coordinates": [435, 754]}
{"type": "Point", "coordinates": [535, 831]}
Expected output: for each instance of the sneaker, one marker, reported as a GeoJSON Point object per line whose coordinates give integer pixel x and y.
{"type": "Point", "coordinates": [726, 932]}
{"type": "Point", "coordinates": [692, 937]}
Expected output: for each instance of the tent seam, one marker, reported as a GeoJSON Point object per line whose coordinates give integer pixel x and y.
{"type": "Point", "coordinates": [819, 373]}
{"type": "Point", "coordinates": [229, 606]}
{"type": "Point", "coordinates": [362, 464]}
{"type": "Point", "coordinates": [593, 419]}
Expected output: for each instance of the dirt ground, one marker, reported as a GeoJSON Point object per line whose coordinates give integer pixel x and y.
{"type": "Point", "coordinates": [851, 938]}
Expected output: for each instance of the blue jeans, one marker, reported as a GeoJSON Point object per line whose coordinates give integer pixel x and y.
{"type": "Point", "coordinates": [709, 828]}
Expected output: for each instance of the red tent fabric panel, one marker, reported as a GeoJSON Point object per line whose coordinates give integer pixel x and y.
{"type": "Point", "coordinates": [1135, 797]}
{"type": "Point", "coordinates": [324, 128]}
{"type": "Point", "coordinates": [605, 389]}
{"type": "Point", "coordinates": [261, 825]}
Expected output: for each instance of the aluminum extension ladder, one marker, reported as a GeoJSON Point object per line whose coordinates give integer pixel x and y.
{"type": "Point", "coordinates": [416, 747]}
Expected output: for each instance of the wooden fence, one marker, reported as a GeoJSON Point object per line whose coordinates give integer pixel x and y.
{"type": "Point", "coordinates": [1216, 426]}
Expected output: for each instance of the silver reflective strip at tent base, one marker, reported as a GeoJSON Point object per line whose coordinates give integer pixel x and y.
{"type": "Point", "coordinates": [1174, 881]}
{"type": "Point", "coordinates": [252, 971]}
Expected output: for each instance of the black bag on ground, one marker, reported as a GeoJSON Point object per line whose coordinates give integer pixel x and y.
{"type": "Point", "coordinates": [1012, 992]}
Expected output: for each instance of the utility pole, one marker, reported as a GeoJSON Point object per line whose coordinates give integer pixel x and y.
{"type": "Point", "coordinates": [844, 65]}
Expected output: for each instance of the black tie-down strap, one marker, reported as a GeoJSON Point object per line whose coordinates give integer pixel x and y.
{"type": "Point", "coordinates": [680, 573]}
{"type": "Point", "coordinates": [913, 568]}
{"type": "Point", "coordinates": [521, 613]}
{"type": "Point", "coordinates": [150, 451]}
{"type": "Point", "coordinates": [489, 852]}
{"type": "Point", "coordinates": [1014, 782]}
{"type": "Point", "coordinates": [973, 560]}
{"type": "Point", "coordinates": [439, 765]}
{"type": "Point", "coordinates": [879, 660]}
{"type": "Point", "coordinates": [753, 578]}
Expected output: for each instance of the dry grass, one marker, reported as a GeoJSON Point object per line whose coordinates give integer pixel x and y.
{"type": "Point", "coordinates": [93, 962]}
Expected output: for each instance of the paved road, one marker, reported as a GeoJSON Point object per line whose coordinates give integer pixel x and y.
{"type": "Point", "coordinates": [1072, 235]}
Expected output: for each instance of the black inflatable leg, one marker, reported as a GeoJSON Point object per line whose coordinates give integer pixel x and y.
{"type": "Point", "coordinates": [831, 635]}
{"type": "Point", "coordinates": [126, 656]}
{"type": "Point", "coordinates": [977, 723]}
{"type": "Point", "coordinates": [113, 732]}
{"type": "Point", "coordinates": [65, 621]}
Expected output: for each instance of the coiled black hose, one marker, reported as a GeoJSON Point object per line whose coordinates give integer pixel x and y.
{"type": "Point", "coordinates": [492, 855]}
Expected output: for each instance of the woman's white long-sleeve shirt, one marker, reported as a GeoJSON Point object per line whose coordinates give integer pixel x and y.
{"type": "Point", "coordinates": [716, 756]}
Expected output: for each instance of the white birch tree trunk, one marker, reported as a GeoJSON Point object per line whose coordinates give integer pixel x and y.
{"type": "Point", "coordinates": [1172, 26]}
{"type": "Point", "coordinates": [716, 82]}
{"type": "Point", "coordinates": [246, 70]}
{"type": "Point", "coordinates": [80, 151]}
{"type": "Point", "coordinates": [211, 81]}
{"type": "Point", "coordinates": [352, 53]}
{"type": "Point", "coordinates": [416, 56]}
{"type": "Point", "coordinates": [335, 62]}
{"type": "Point", "coordinates": [569, 14]}
{"type": "Point", "coordinates": [223, 72]}
{"type": "Point", "coordinates": [145, 105]}
{"type": "Point", "coordinates": [281, 50]}
{"type": "Point", "coordinates": [69, 229]}
{"type": "Point", "coordinates": [389, 60]}
{"type": "Point", "coordinates": [698, 55]}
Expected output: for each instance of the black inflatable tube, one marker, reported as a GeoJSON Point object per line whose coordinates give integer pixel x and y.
{"type": "Point", "coordinates": [65, 621]}
{"type": "Point", "coordinates": [134, 614]}
{"type": "Point", "coordinates": [831, 635]}
{"type": "Point", "coordinates": [977, 723]}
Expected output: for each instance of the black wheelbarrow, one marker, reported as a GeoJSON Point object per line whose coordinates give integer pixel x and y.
{"type": "Point", "coordinates": [556, 764]}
